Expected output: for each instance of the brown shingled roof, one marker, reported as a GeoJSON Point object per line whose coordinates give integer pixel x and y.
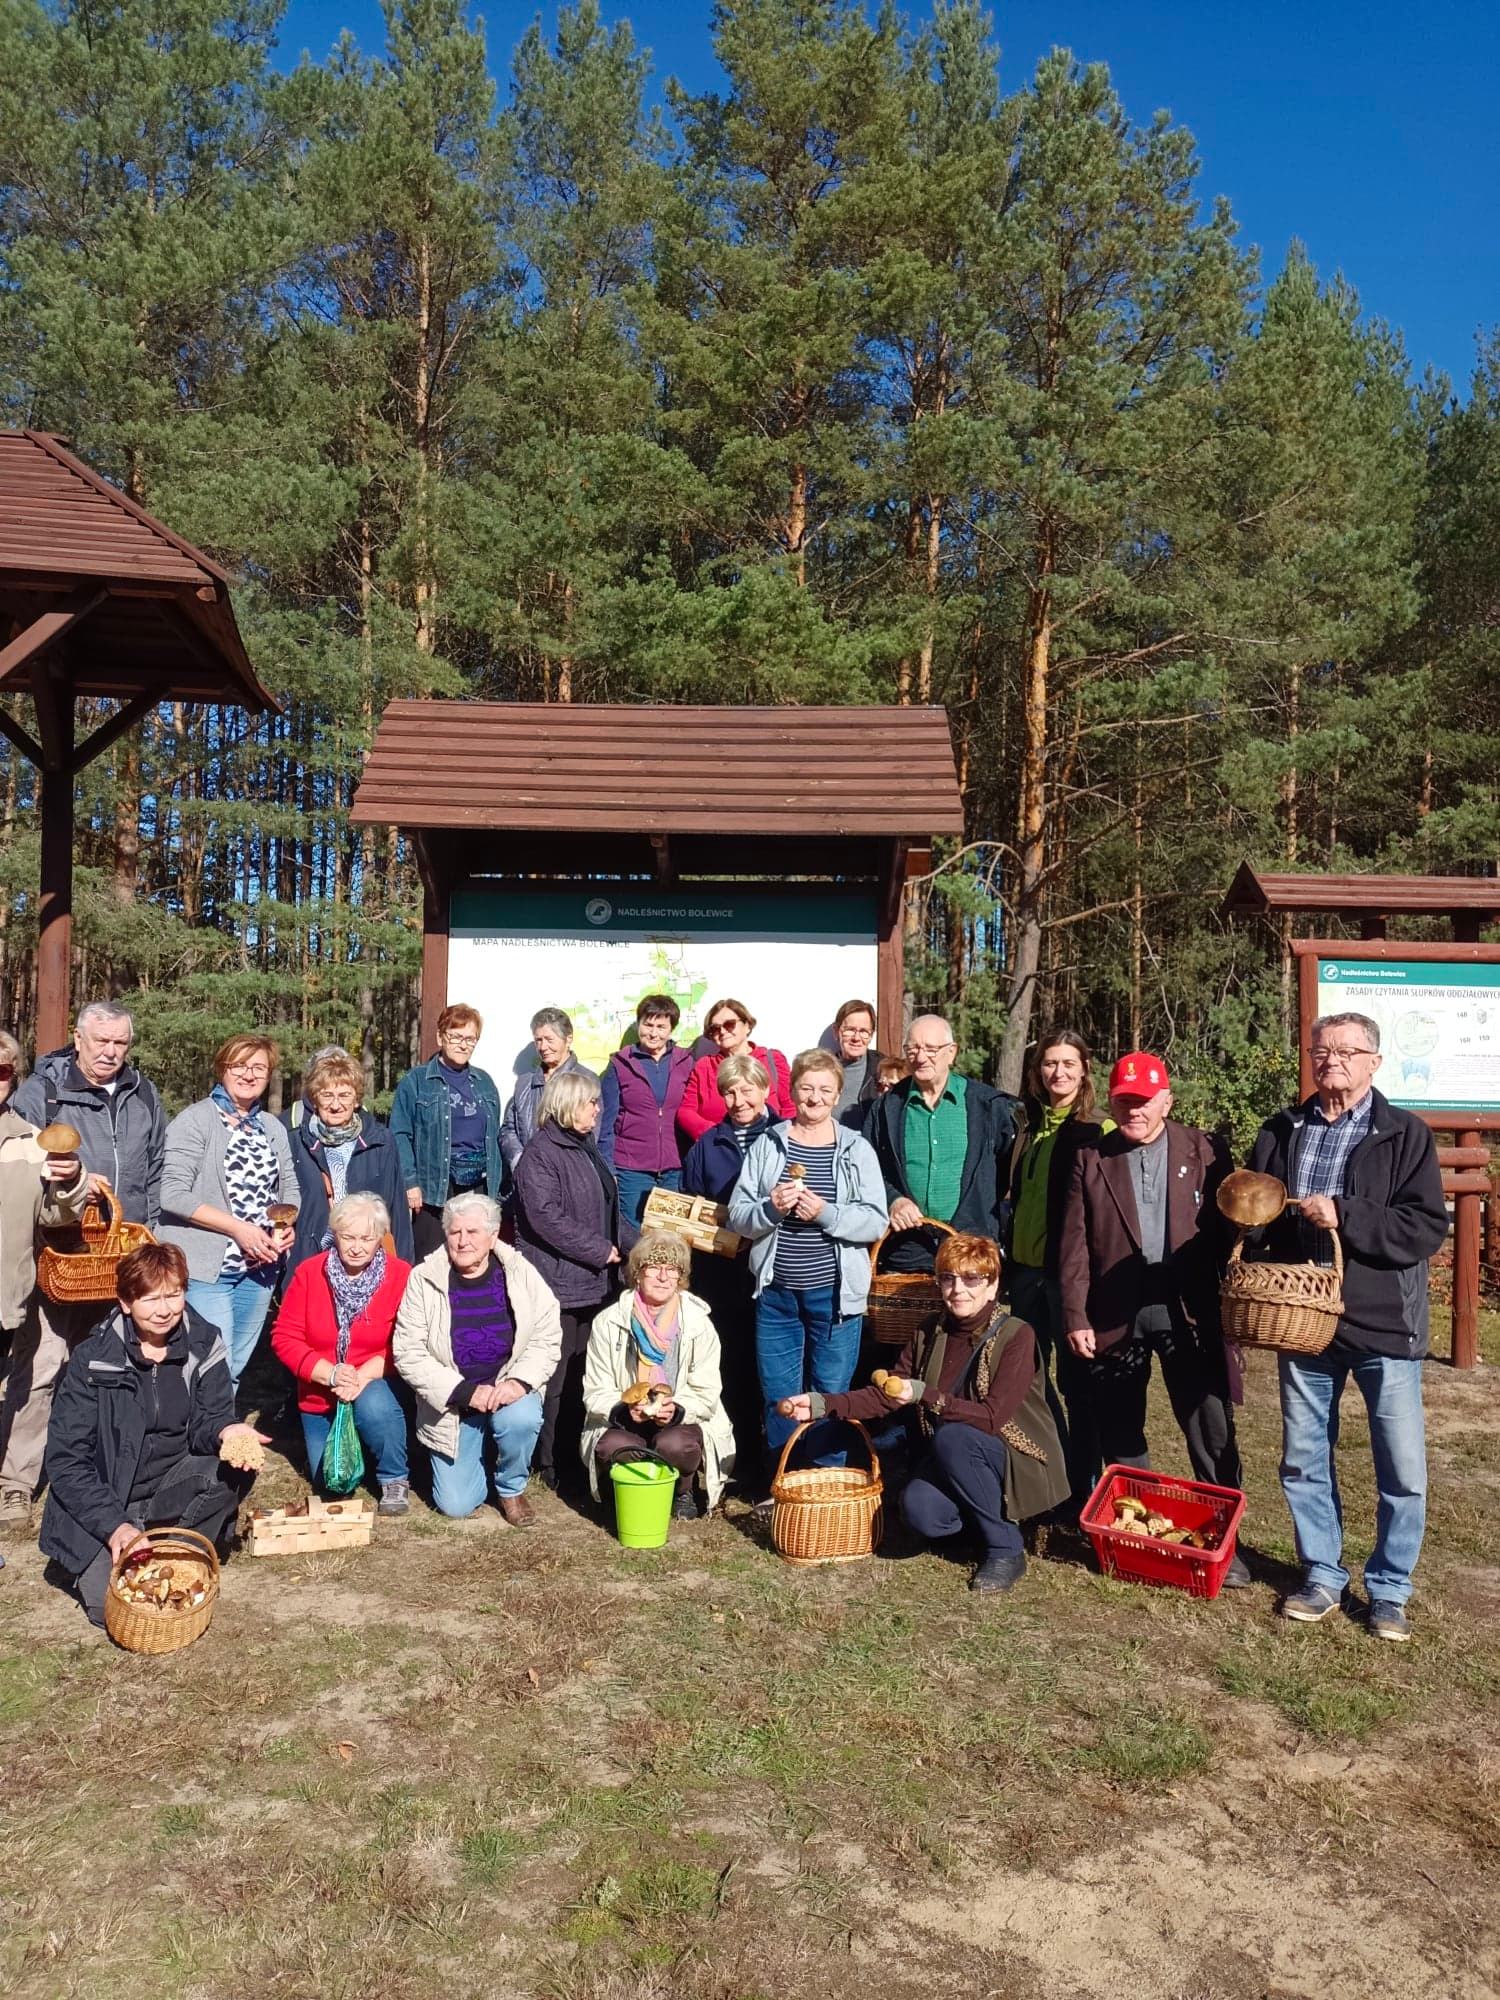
{"type": "Point", "coordinates": [664, 769]}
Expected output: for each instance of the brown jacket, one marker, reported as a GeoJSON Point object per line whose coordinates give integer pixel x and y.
{"type": "Point", "coordinates": [1102, 1271]}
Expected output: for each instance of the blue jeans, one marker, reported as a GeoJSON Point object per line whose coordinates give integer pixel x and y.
{"type": "Point", "coordinates": [636, 1185]}
{"type": "Point", "coordinates": [1311, 1386]}
{"type": "Point", "coordinates": [799, 1345]}
{"type": "Point", "coordinates": [238, 1308]}
{"type": "Point", "coordinates": [381, 1423]}
{"type": "Point", "coordinates": [458, 1484]}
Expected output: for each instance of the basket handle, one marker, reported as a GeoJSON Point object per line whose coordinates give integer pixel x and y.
{"type": "Point", "coordinates": [111, 1214]}
{"type": "Point", "coordinates": [1338, 1253]}
{"type": "Point", "coordinates": [163, 1538]}
{"type": "Point", "coordinates": [927, 1222]}
{"type": "Point", "coordinates": [786, 1449]}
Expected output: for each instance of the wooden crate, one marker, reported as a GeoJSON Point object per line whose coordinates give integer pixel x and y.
{"type": "Point", "coordinates": [696, 1219]}
{"type": "Point", "coordinates": [327, 1524]}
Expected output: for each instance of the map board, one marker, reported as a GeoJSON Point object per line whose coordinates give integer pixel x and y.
{"type": "Point", "coordinates": [1439, 1026]}
{"type": "Point", "coordinates": [791, 957]}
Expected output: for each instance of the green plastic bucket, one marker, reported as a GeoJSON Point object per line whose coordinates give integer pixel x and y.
{"type": "Point", "coordinates": [643, 1502]}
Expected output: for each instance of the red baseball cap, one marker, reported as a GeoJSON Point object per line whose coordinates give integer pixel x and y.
{"type": "Point", "coordinates": [1138, 1075]}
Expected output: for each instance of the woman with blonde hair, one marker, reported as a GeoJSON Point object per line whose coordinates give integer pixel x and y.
{"type": "Point", "coordinates": [228, 1163]}
{"type": "Point", "coordinates": [570, 1230]}
{"type": "Point", "coordinates": [658, 1335]}
{"type": "Point", "coordinates": [340, 1148]}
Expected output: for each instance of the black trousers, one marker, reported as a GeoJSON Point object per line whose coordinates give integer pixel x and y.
{"type": "Point", "coordinates": [1035, 1298]}
{"type": "Point", "coordinates": [195, 1492]}
{"type": "Point", "coordinates": [556, 1459]}
{"type": "Point", "coordinates": [959, 1487]}
{"type": "Point", "coordinates": [724, 1285]}
{"type": "Point", "coordinates": [1197, 1384]}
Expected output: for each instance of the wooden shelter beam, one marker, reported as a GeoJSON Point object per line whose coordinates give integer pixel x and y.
{"type": "Point", "coordinates": [24, 742]}
{"type": "Point", "coordinates": [45, 630]}
{"type": "Point", "coordinates": [111, 731]}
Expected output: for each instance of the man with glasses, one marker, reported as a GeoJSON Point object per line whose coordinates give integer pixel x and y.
{"type": "Point", "coordinates": [944, 1142]}
{"type": "Point", "coordinates": [1358, 1165]}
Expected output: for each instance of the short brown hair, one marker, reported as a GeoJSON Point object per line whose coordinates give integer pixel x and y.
{"type": "Point", "coordinates": [239, 1046]}
{"type": "Point", "coordinates": [332, 1066]}
{"type": "Point", "coordinates": [968, 1257]}
{"type": "Point", "coordinates": [736, 1007]}
{"type": "Point", "coordinates": [811, 1059]}
{"type": "Point", "coordinates": [892, 1069]}
{"type": "Point", "coordinates": [659, 1003]}
{"type": "Point", "coordinates": [152, 1268]}
{"type": "Point", "coordinates": [459, 1016]}
{"type": "Point", "coordinates": [854, 1007]}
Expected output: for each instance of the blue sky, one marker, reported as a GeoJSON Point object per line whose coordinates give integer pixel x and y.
{"type": "Point", "coordinates": [1370, 131]}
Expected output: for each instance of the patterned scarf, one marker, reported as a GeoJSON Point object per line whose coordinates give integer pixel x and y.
{"type": "Point", "coordinates": [229, 1111]}
{"type": "Point", "coordinates": [352, 1292]}
{"type": "Point", "coordinates": [654, 1330]}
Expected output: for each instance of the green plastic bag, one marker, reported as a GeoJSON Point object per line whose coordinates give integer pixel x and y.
{"type": "Point", "coordinates": [343, 1455]}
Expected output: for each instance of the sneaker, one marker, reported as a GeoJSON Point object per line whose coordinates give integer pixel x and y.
{"type": "Point", "coordinates": [998, 1573]}
{"type": "Point", "coordinates": [15, 1507]}
{"type": "Point", "coordinates": [395, 1496]}
{"type": "Point", "coordinates": [1389, 1621]}
{"type": "Point", "coordinates": [685, 1504]}
{"type": "Point", "coordinates": [1311, 1604]}
{"type": "Point", "coordinates": [1236, 1577]}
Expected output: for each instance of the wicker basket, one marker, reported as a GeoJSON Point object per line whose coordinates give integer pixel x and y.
{"type": "Point", "coordinates": [900, 1300]}
{"type": "Point", "coordinates": [1292, 1308]}
{"type": "Point", "coordinates": [138, 1630]}
{"type": "Point", "coordinates": [826, 1513]}
{"type": "Point", "coordinates": [79, 1267]}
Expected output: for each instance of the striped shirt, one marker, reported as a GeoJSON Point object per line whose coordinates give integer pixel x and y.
{"type": "Point", "coordinates": [1322, 1160]}
{"type": "Point", "coordinates": [806, 1258]}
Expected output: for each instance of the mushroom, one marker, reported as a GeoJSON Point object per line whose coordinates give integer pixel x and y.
{"type": "Point", "coordinates": [59, 1139]}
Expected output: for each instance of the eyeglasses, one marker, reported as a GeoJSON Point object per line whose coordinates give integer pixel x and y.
{"type": "Point", "coordinates": [915, 1049]}
{"type": "Point", "coordinates": [1339, 1055]}
{"type": "Point", "coordinates": [960, 1281]}
{"type": "Point", "coordinates": [461, 1041]}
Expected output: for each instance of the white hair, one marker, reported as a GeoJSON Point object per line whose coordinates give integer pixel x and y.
{"type": "Point", "coordinates": [105, 1010]}
{"type": "Point", "coordinates": [461, 1204]}
{"type": "Point", "coordinates": [361, 1202]}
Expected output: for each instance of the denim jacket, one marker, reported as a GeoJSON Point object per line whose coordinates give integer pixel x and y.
{"type": "Point", "coordinates": [420, 1121]}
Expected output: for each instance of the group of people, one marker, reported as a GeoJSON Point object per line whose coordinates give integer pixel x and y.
{"type": "Point", "coordinates": [482, 1272]}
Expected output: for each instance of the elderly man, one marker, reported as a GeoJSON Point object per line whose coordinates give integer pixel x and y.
{"type": "Point", "coordinates": [1358, 1165]}
{"type": "Point", "coordinates": [477, 1337]}
{"type": "Point", "coordinates": [1139, 1268]}
{"type": "Point", "coordinates": [123, 1135]}
{"type": "Point", "coordinates": [943, 1141]}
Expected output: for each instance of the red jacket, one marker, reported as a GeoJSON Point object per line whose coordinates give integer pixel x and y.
{"type": "Point", "coordinates": [702, 1107]}
{"type": "Point", "coordinates": [307, 1328]}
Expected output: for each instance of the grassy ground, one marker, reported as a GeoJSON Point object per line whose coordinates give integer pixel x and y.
{"type": "Point", "coordinates": [473, 1762]}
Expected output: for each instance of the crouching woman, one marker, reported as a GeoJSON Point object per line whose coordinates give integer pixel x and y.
{"type": "Point", "coordinates": [141, 1411]}
{"type": "Point", "coordinates": [971, 1388]}
{"type": "Point", "coordinates": [652, 1378]}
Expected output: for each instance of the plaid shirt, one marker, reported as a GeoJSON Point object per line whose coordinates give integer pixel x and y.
{"type": "Point", "coordinates": [1322, 1159]}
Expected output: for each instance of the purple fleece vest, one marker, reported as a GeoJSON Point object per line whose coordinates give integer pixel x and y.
{"type": "Point", "coordinates": [645, 1132]}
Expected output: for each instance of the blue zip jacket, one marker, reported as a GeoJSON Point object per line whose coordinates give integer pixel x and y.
{"type": "Point", "coordinates": [713, 1163]}
{"type": "Point", "coordinates": [421, 1121]}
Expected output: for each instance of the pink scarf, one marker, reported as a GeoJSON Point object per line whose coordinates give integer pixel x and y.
{"type": "Point", "coordinates": [655, 1330]}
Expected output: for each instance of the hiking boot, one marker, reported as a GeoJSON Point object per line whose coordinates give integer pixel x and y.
{"type": "Point", "coordinates": [998, 1573]}
{"type": "Point", "coordinates": [1389, 1621]}
{"type": "Point", "coordinates": [518, 1510]}
{"type": "Point", "coordinates": [15, 1507]}
{"type": "Point", "coordinates": [1236, 1577]}
{"type": "Point", "coordinates": [395, 1497]}
{"type": "Point", "coordinates": [1310, 1604]}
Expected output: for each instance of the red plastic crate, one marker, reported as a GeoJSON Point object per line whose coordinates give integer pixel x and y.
{"type": "Point", "coordinates": [1187, 1503]}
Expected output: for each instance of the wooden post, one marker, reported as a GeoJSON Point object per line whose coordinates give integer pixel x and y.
{"type": "Point", "coordinates": [1466, 1219]}
{"type": "Point", "coordinates": [890, 957]}
{"type": "Point", "coordinates": [435, 897]}
{"type": "Point", "coordinates": [54, 955]}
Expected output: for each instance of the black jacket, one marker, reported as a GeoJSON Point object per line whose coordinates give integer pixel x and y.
{"type": "Point", "coordinates": [1391, 1219]}
{"type": "Point", "coordinates": [568, 1216]}
{"type": "Point", "coordinates": [983, 1192]}
{"type": "Point", "coordinates": [713, 1163]}
{"type": "Point", "coordinates": [98, 1429]}
{"type": "Point", "coordinates": [374, 1168]}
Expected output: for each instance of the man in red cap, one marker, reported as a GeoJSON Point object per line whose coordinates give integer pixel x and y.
{"type": "Point", "coordinates": [1139, 1265]}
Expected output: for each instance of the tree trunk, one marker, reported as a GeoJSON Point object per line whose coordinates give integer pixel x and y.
{"type": "Point", "coordinates": [424, 586]}
{"type": "Point", "coordinates": [1026, 941]}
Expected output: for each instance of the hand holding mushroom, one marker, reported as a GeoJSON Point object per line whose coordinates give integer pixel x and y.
{"type": "Point", "coordinates": [60, 1143]}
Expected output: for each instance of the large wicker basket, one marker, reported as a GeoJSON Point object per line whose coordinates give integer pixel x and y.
{"type": "Point", "coordinates": [826, 1513]}
{"type": "Point", "coordinates": [78, 1266]}
{"type": "Point", "coordinates": [1291, 1308]}
{"type": "Point", "coordinates": [194, 1559]}
{"type": "Point", "coordinates": [900, 1300]}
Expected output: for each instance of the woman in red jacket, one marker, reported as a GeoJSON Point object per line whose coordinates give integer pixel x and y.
{"type": "Point", "coordinates": [729, 1024]}
{"type": "Point", "coordinates": [334, 1332]}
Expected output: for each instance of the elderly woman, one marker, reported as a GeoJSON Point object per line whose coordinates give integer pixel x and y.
{"type": "Point", "coordinates": [339, 1149]}
{"type": "Point", "coordinates": [569, 1228]}
{"type": "Point", "coordinates": [477, 1337]}
{"type": "Point", "coordinates": [971, 1386]}
{"type": "Point", "coordinates": [712, 1168]}
{"type": "Point", "coordinates": [227, 1164]}
{"type": "Point", "coordinates": [36, 1189]}
{"type": "Point", "coordinates": [854, 1045]}
{"type": "Point", "coordinates": [552, 1039]}
{"type": "Point", "coordinates": [141, 1412]}
{"type": "Point", "coordinates": [446, 1123]}
{"type": "Point", "coordinates": [728, 1024]}
{"type": "Point", "coordinates": [334, 1332]}
{"type": "Point", "coordinates": [812, 1200]}
{"type": "Point", "coordinates": [642, 1088]}
{"type": "Point", "coordinates": [660, 1335]}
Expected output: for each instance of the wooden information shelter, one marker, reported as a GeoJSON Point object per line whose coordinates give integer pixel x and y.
{"type": "Point", "coordinates": [1469, 903]}
{"type": "Point", "coordinates": [551, 792]}
{"type": "Point", "coordinates": [97, 600]}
